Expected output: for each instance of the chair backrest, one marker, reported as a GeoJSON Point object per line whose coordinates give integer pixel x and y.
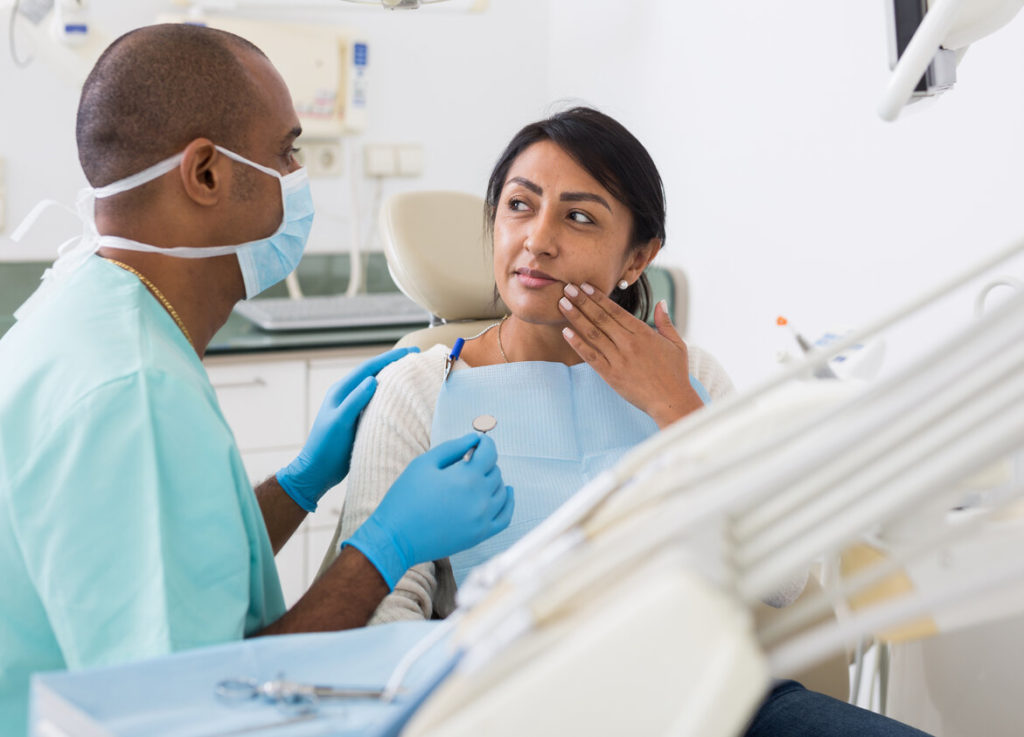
{"type": "Point", "coordinates": [439, 254]}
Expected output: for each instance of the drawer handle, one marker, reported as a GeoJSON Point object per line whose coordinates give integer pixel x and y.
{"type": "Point", "coordinates": [241, 384]}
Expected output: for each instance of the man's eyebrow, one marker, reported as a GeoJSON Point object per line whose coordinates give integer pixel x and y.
{"type": "Point", "coordinates": [292, 135]}
{"type": "Point", "coordinates": [526, 183]}
{"type": "Point", "coordinates": [585, 197]}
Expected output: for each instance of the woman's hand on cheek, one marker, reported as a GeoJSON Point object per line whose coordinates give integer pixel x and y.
{"type": "Point", "coordinates": [648, 367]}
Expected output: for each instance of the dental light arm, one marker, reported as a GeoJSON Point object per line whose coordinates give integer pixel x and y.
{"type": "Point", "coordinates": [927, 64]}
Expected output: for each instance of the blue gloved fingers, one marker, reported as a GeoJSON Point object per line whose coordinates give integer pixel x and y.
{"type": "Point", "coordinates": [373, 366]}
{"type": "Point", "coordinates": [357, 400]}
{"type": "Point", "coordinates": [504, 515]}
{"type": "Point", "coordinates": [501, 502]}
{"type": "Point", "coordinates": [324, 460]}
{"type": "Point", "coordinates": [341, 388]}
{"type": "Point", "coordinates": [492, 482]}
{"type": "Point", "coordinates": [451, 451]}
{"type": "Point", "coordinates": [484, 457]}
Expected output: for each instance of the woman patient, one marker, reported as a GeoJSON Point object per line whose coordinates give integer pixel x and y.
{"type": "Point", "coordinates": [574, 377]}
{"type": "Point", "coordinates": [573, 374]}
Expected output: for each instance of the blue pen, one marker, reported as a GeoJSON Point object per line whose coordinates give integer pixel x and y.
{"type": "Point", "coordinates": [453, 357]}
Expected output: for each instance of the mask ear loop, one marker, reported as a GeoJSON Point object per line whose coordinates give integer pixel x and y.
{"type": "Point", "coordinates": [139, 178]}
{"type": "Point", "coordinates": [74, 252]}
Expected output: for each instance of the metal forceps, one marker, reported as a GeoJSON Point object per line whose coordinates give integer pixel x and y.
{"type": "Point", "coordinates": [289, 695]}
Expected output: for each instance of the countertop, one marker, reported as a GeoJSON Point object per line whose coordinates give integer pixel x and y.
{"type": "Point", "coordinates": [318, 274]}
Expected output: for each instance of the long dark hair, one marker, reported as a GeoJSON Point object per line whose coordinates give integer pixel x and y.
{"type": "Point", "coordinates": [617, 160]}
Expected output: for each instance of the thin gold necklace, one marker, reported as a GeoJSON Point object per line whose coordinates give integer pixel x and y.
{"type": "Point", "coordinates": [160, 296]}
{"type": "Point", "coordinates": [500, 348]}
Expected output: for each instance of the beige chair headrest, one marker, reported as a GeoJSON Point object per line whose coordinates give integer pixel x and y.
{"type": "Point", "coordinates": [439, 254]}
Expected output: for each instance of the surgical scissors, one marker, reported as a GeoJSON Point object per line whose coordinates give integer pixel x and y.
{"type": "Point", "coordinates": [289, 695]}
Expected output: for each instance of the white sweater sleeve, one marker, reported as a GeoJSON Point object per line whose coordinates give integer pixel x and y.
{"type": "Point", "coordinates": [706, 369]}
{"type": "Point", "coordinates": [394, 429]}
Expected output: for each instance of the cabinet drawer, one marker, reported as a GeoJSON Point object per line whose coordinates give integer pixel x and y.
{"type": "Point", "coordinates": [265, 403]}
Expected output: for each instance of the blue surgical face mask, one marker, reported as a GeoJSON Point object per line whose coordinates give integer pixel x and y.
{"type": "Point", "coordinates": [264, 262]}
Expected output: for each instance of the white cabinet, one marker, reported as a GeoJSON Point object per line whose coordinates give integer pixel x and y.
{"type": "Point", "coordinates": [263, 401]}
{"type": "Point", "coordinates": [270, 401]}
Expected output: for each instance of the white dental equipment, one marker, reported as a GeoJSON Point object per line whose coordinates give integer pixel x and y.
{"type": "Point", "coordinates": [929, 38]}
{"type": "Point", "coordinates": [648, 575]}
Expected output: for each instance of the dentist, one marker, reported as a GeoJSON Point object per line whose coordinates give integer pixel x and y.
{"type": "Point", "coordinates": [128, 526]}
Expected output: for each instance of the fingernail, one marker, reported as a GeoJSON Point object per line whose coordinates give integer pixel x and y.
{"type": "Point", "coordinates": [587, 288]}
{"type": "Point", "coordinates": [664, 306]}
{"type": "Point", "coordinates": [571, 290]}
{"type": "Point", "coordinates": [568, 333]}
{"type": "Point", "coordinates": [566, 304]}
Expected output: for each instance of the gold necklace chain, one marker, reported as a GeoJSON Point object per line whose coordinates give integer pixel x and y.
{"type": "Point", "coordinates": [500, 348]}
{"type": "Point", "coordinates": [160, 296]}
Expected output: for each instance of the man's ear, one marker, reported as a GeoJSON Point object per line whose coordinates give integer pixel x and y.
{"type": "Point", "coordinates": [204, 172]}
{"type": "Point", "coordinates": [640, 258]}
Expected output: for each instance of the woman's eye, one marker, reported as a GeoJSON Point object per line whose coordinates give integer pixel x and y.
{"type": "Point", "coordinates": [580, 217]}
{"type": "Point", "coordinates": [516, 204]}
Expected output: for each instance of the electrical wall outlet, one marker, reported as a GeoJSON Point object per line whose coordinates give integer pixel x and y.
{"type": "Point", "coordinates": [323, 159]}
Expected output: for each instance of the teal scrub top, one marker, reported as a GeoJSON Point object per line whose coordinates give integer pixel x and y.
{"type": "Point", "coordinates": [128, 526]}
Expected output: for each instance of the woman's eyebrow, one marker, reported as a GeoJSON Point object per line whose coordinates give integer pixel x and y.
{"type": "Point", "coordinates": [535, 188]}
{"type": "Point", "coordinates": [565, 196]}
{"type": "Point", "coordinates": [585, 197]}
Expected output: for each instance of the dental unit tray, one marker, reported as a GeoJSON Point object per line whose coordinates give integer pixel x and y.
{"type": "Point", "coordinates": [384, 309]}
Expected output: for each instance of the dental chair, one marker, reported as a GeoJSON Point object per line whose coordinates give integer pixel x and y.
{"type": "Point", "coordinates": [439, 254]}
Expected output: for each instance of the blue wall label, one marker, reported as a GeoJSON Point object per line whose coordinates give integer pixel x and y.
{"type": "Point", "coordinates": [359, 55]}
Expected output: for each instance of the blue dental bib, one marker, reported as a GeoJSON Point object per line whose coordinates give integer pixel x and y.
{"type": "Point", "coordinates": [558, 427]}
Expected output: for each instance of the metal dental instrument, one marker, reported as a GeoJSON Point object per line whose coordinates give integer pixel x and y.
{"type": "Point", "coordinates": [289, 695]}
{"type": "Point", "coordinates": [485, 423]}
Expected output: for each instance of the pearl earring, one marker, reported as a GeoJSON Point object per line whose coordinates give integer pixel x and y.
{"type": "Point", "coordinates": [623, 284]}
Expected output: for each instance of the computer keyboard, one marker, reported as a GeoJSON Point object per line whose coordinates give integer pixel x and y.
{"type": "Point", "coordinates": [333, 311]}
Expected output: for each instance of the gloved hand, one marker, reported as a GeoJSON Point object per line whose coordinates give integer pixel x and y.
{"type": "Point", "coordinates": [439, 506]}
{"type": "Point", "coordinates": [325, 458]}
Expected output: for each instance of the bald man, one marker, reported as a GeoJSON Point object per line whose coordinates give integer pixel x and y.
{"type": "Point", "coordinates": [128, 528]}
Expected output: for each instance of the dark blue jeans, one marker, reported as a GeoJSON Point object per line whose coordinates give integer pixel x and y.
{"type": "Point", "coordinates": [790, 710]}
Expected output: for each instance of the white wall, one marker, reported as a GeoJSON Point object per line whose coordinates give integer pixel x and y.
{"type": "Point", "coordinates": [435, 78]}
{"type": "Point", "coordinates": [787, 195]}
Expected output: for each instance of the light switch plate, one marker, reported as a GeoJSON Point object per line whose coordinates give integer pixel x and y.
{"type": "Point", "coordinates": [380, 160]}
{"type": "Point", "coordinates": [410, 159]}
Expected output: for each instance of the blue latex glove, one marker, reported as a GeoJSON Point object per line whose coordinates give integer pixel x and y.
{"type": "Point", "coordinates": [324, 460]}
{"type": "Point", "coordinates": [439, 506]}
